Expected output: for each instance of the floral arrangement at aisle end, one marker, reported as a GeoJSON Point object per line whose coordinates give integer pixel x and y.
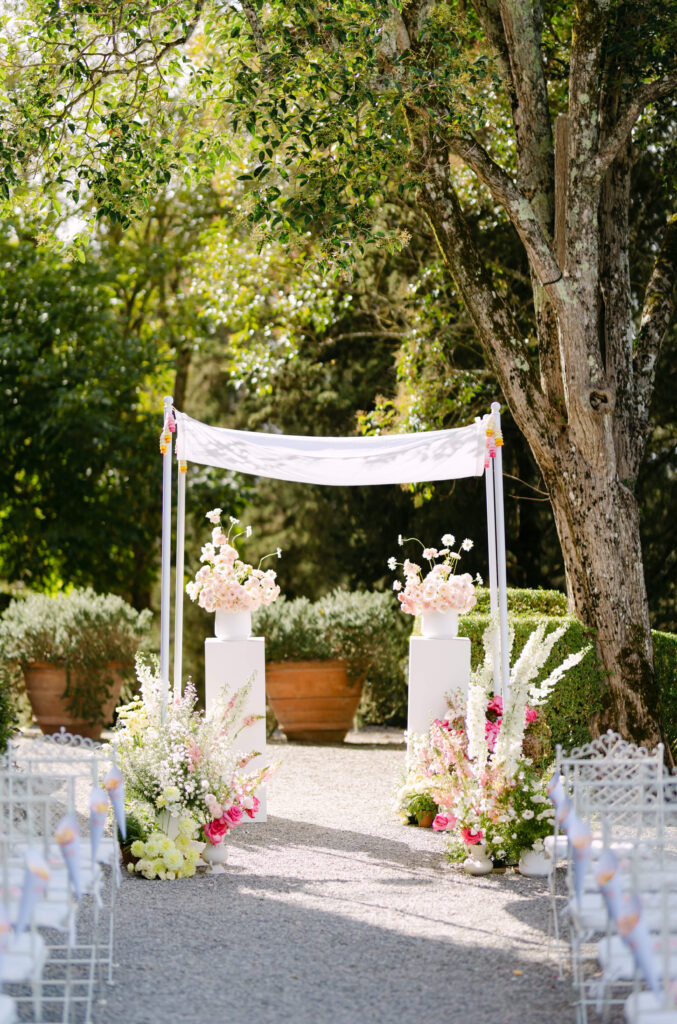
{"type": "Point", "coordinates": [183, 780]}
{"type": "Point", "coordinates": [485, 764]}
{"type": "Point", "coordinates": [440, 589]}
{"type": "Point", "coordinates": [225, 581]}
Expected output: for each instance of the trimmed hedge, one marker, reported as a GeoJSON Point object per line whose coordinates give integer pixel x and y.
{"type": "Point", "coordinates": [665, 664]}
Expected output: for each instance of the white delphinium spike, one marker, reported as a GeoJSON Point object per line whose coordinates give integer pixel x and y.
{"type": "Point", "coordinates": [481, 685]}
{"type": "Point", "coordinates": [540, 692]}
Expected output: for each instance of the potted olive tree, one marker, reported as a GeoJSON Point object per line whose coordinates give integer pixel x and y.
{"type": "Point", "coordinates": [74, 650]}
{"type": "Point", "coordinates": [320, 655]}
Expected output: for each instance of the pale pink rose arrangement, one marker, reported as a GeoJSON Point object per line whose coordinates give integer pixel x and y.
{"type": "Point", "coordinates": [440, 589]}
{"type": "Point", "coordinates": [225, 581]}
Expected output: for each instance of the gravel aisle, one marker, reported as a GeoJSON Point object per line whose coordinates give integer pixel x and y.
{"type": "Point", "coordinates": [333, 912]}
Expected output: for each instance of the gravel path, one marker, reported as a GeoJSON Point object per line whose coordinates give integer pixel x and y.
{"type": "Point", "coordinates": [334, 912]}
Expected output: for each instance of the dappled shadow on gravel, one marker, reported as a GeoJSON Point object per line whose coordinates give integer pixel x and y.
{"type": "Point", "coordinates": [232, 950]}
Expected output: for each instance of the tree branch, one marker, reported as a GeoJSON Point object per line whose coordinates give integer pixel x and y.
{"type": "Point", "coordinates": [519, 209]}
{"type": "Point", "coordinates": [657, 312]}
{"type": "Point", "coordinates": [522, 22]}
{"type": "Point", "coordinates": [497, 329]}
{"type": "Point", "coordinates": [648, 93]}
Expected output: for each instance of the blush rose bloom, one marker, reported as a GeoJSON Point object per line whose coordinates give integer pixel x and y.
{"type": "Point", "coordinates": [472, 838]}
{"type": "Point", "coordinates": [444, 821]}
{"type": "Point", "coordinates": [216, 830]}
{"type": "Point", "coordinates": [233, 816]}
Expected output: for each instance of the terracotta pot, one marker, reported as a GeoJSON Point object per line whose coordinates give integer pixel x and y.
{"type": "Point", "coordinates": [426, 819]}
{"type": "Point", "coordinates": [313, 701]}
{"type": "Point", "coordinates": [46, 683]}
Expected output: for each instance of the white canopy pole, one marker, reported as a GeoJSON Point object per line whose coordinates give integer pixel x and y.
{"type": "Point", "coordinates": [493, 579]}
{"type": "Point", "coordinates": [166, 448]}
{"type": "Point", "coordinates": [500, 550]}
{"type": "Point", "coordinates": [178, 594]}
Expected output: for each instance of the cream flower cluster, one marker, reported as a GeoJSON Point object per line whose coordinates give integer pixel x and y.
{"type": "Point", "coordinates": [225, 581]}
{"type": "Point", "coordinates": [441, 589]}
{"type": "Point", "coordinates": [165, 858]}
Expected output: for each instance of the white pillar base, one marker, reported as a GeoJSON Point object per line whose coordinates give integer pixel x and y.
{"type": "Point", "coordinates": [437, 666]}
{"type": "Point", "coordinates": [231, 663]}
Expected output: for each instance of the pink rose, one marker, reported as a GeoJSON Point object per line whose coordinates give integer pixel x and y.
{"type": "Point", "coordinates": [470, 837]}
{"type": "Point", "coordinates": [233, 816]}
{"type": "Point", "coordinates": [496, 705]}
{"type": "Point", "coordinates": [443, 822]}
{"type": "Point", "coordinates": [531, 714]}
{"type": "Point", "coordinates": [251, 805]}
{"type": "Point", "coordinates": [216, 830]}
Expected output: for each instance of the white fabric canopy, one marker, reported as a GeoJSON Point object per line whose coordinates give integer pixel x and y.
{"type": "Point", "coordinates": [389, 459]}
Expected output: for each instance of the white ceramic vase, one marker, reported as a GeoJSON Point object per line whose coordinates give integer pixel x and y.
{"type": "Point", "coordinates": [215, 857]}
{"type": "Point", "coordinates": [168, 823]}
{"type": "Point", "coordinates": [436, 625]}
{"type": "Point", "coordinates": [232, 625]}
{"type": "Point", "coordinates": [534, 863]}
{"type": "Point", "coordinates": [478, 862]}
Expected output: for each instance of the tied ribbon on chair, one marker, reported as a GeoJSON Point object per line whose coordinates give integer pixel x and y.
{"type": "Point", "coordinates": [67, 835]}
{"type": "Point", "coordinates": [98, 814]}
{"type": "Point", "coordinates": [608, 880]}
{"type": "Point", "coordinates": [36, 880]}
{"type": "Point", "coordinates": [580, 841]}
{"type": "Point", "coordinates": [115, 787]}
{"type": "Point", "coordinates": [5, 932]}
{"type": "Point", "coordinates": [634, 932]}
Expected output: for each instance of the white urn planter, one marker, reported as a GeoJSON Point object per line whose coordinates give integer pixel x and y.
{"type": "Point", "coordinates": [215, 857]}
{"type": "Point", "coordinates": [235, 625]}
{"type": "Point", "coordinates": [534, 863]}
{"type": "Point", "coordinates": [439, 625]}
{"type": "Point", "coordinates": [477, 862]}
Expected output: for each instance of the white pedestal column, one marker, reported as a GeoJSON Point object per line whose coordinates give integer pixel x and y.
{"type": "Point", "coordinates": [436, 667]}
{"type": "Point", "coordinates": [232, 663]}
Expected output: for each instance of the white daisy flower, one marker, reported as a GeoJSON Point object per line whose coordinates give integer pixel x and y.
{"type": "Point", "coordinates": [448, 539]}
{"type": "Point", "coordinates": [467, 544]}
{"type": "Point", "coordinates": [392, 563]}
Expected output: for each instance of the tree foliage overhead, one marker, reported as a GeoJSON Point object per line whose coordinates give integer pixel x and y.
{"type": "Point", "coordinates": [340, 110]}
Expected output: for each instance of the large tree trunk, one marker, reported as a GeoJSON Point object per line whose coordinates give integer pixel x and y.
{"type": "Point", "coordinates": [572, 423]}
{"type": "Point", "coordinates": [598, 525]}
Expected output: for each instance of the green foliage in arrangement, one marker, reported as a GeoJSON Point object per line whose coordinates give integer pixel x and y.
{"type": "Point", "coordinates": [366, 629]}
{"type": "Point", "coordinates": [81, 630]}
